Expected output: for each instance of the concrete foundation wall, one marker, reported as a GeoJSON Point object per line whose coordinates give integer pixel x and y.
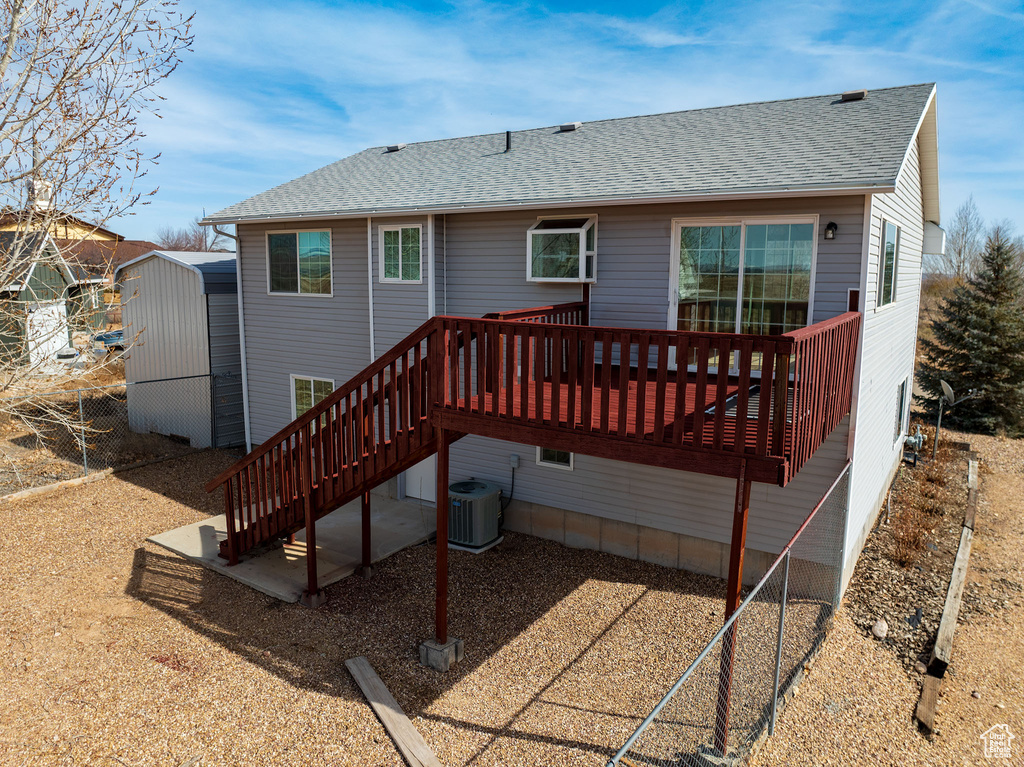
{"type": "Point", "coordinates": [632, 541]}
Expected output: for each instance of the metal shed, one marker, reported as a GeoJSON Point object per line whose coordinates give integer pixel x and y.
{"type": "Point", "coordinates": [180, 315]}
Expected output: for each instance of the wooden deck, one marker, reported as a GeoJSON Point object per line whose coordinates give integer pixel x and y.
{"type": "Point", "coordinates": [755, 407]}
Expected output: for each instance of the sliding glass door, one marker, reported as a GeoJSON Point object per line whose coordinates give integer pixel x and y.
{"type": "Point", "coordinates": [745, 277]}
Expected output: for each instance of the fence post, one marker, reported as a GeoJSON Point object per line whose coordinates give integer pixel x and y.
{"type": "Point", "coordinates": [81, 426]}
{"type": "Point", "coordinates": [778, 644]}
{"type": "Point", "coordinates": [842, 540]}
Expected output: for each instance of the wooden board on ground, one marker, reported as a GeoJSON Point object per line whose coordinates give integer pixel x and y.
{"type": "Point", "coordinates": [925, 713]}
{"type": "Point", "coordinates": [407, 738]}
{"type": "Point", "coordinates": [951, 611]}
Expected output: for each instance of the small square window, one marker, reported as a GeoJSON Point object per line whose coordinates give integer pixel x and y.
{"type": "Point", "coordinates": [559, 459]}
{"type": "Point", "coordinates": [562, 250]}
{"type": "Point", "coordinates": [889, 260]}
{"type": "Point", "coordinates": [400, 254]}
{"type": "Point", "coordinates": [309, 392]}
{"type": "Point", "coordinates": [299, 262]}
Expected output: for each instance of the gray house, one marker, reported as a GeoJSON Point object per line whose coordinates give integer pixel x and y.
{"type": "Point", "coordinates": [746, 221]}
{"type": "Point", "coordinates": [180, 318]}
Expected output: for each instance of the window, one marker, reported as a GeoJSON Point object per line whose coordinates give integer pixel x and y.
{"type": "Point", "coordinates": [889, 263]}
{"type": "Point", "coordinates": [400, 254]}
{"type": "Point", "coordinates": [745, 277]}
{"type": "Point", "coordinates": [559, 459]}
{"type": "Point", "coordinates": [562, 250]}
{"type": "Point", "coordinates": [308, 392]}
{"type": "Point", "coordinates": [901, 411]}
{"type": "Point", "coordinates": [299, 262]}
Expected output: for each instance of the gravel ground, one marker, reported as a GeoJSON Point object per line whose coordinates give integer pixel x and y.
{"type": "Point", "coordinates": [856, 704]}
{"type": "Point", "coordinates": [932, 498]}
{"type": "Point", "coordinates": [115, 652]}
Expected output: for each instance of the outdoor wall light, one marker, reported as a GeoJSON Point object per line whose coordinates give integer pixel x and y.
{"type": "Point", "coordinates": [830, 230]}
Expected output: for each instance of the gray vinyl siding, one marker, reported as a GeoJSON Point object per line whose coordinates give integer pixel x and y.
{"type": "Point", "coordinates": [226, 366]}
{"type": "Point", "coordinates": [485, 260]}
{"type": "Point", "coordinates": [889, 342]}
{"type": "Point", "coordinates": [317, 336]}
{"type": "Point", "coordinates": [398, 307]}
{"type": "Point", "coordinates": [165, 327]}
{"type": "Point", "coordinates": [677, 501]}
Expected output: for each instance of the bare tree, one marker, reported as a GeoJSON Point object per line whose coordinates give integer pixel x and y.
{"type": "Point", "coordinates": [75, 75]}
{"type": "Point", "coordinates": [963, 241]}
{"type": "Point", "coordinates": [192, 237]}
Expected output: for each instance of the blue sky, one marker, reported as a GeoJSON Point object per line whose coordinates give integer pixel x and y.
{"type": "Point", "coordinates": [274, 90]}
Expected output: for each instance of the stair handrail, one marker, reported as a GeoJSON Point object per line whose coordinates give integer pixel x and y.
{"type": "Point", "coordinates": [537, 312]}
{"type": "Point", "coordinates": [367, 374]}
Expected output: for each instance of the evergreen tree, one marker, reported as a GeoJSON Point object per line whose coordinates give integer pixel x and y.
{"type": "Point", "coordinates": [978, 343]}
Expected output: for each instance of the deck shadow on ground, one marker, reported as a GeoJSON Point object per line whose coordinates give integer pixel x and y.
{"type": "Point", "coordinates": [495, 599]}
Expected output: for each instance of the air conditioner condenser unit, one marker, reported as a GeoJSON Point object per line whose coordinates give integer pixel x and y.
{"type": "Point", "coordinates": [474, 512]}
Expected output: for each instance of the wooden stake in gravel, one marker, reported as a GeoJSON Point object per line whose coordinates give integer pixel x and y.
{"type": "Point", "coordinates": [407, 738]}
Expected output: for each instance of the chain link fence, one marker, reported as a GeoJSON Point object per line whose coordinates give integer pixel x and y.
{"type": "Point", "coordinates": [50, 436]}
{"type": "Point", "coordinates": [729, 697]}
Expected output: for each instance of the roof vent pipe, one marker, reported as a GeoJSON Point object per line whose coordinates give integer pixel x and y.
{"type": "Point", "coordinates": [508, 141]}
{"type": "Point", "coordinates": [854, 95]}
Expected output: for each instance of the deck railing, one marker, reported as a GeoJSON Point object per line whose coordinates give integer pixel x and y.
{"type": "Point", "coordinates": [576, 313]}
{"type": "Point", "coordinates": [825, 357]}
{"type": "Point", "coordinates": [760, 395]}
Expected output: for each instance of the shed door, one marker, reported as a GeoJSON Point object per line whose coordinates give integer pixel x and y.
{"type": "Point", "coordinates": [46, 333]}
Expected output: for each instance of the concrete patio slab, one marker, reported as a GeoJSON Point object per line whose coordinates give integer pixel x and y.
{"type": "Point", "coordinates": [280, 570]}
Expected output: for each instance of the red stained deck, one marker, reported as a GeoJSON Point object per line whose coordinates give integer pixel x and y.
{"type": "Point", "coordinates": [525, 378]}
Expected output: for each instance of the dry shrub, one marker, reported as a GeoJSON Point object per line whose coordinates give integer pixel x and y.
{"type": "Point", "coordinates": [909, 532]}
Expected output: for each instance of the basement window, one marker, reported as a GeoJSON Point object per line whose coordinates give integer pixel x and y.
{"type": "Point", "coordinates": [562, 250]}
{"type": "Point", "coordinates": [901, 410]}
{"type": "Point", "coordinates": [308, 392]}
{"type": "Point", "coordinates": [558, 459]}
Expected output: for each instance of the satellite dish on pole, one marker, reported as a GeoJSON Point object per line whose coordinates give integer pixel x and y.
{"type": "Point", "coordinates": [947, 392]}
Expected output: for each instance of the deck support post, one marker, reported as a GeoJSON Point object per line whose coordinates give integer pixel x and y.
{"type": "Point", "coordinates": [312, 596]}
{"type": "Point", "coordinates": [441, 597]}
{"type": "Point", "coordinates": [732, 601]}
{"type": "Point", "coordinates": [441, 652]}
{"type": "Point", "coordinates": [367, 570]}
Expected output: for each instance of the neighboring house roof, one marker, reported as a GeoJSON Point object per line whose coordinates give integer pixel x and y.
{"type": "Point", "coordinates": [16, 243]}
{"type": "Point", "coordinates": [13, 218]}
{"type": "Point", "coordinates": [216, 270]}
{"type": "Point", "coordinates": [99, 256]}
{"type": "Point", "coordinates": [799, 146]}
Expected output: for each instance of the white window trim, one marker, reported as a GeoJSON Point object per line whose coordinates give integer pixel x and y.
{"type": "Point", "coordinates": [380, 254]}
{"type": "Point", "coordinates": [583, 248]}
{"type": "Point", "coordinates": [679, 223]}
{"type": "Point", "coordinates": [292, 378]}
{"type": "Point", "coordinates": [904, 415]}
{"type": "Point", "coordinates": [880, 271]}
{"type": "Point", "coordinates": [266, 244]}
{"type": "Point", "coordinates": [560, 466]}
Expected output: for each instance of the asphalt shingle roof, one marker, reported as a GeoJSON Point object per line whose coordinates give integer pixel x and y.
{"type": "Point", "coordinates": [807, 143]}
